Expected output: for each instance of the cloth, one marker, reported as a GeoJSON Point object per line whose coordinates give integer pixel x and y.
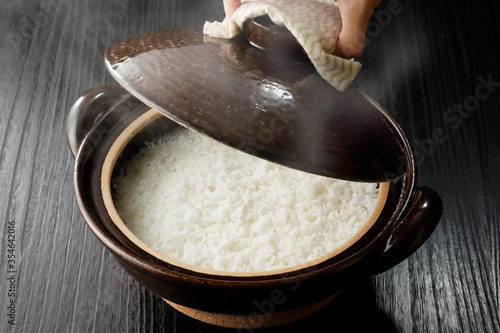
{"type": "Point", "coordinates": [316, 25]}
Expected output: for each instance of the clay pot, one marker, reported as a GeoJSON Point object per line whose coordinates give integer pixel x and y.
{"type": "Point", "coordinates": [107, 125]}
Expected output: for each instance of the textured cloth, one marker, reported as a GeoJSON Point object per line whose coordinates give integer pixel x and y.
{"type": "Point", "coordinates": [316, 24]}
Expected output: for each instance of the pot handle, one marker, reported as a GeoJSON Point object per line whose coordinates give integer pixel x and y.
{"type": "Point", "coordinates": [86, 112]}
{"type": "Point", "coordinates": [412, 231]}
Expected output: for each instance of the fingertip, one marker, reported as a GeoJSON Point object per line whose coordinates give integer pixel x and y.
{"type": "Point", "coordinates": [348, 50]}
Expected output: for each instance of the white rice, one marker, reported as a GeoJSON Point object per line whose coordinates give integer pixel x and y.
{"type": "Point", "coordinates": [208, 205]}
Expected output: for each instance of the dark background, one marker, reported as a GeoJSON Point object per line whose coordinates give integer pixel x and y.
{"type": "Point", "coordinates": [427, 63]}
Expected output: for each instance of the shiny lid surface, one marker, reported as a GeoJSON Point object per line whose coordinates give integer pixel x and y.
{"type": "Point", "coordinates": [274, 107]}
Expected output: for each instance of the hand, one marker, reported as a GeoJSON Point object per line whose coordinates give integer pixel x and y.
{"type": "Point", "coordinates": [355, 17]}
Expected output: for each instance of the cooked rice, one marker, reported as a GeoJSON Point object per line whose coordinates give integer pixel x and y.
{"type": "Point", "coordinates": [208, 205]}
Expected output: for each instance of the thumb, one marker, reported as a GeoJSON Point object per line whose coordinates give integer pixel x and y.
{"type": "Point", "coordinates": [230, 7]}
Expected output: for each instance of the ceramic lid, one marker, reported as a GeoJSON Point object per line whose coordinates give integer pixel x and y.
{"type": "Point", "coordinates": [270, 104]}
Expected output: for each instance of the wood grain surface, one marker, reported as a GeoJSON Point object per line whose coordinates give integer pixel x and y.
{"type": "Point", "coordinates": [434, 65]}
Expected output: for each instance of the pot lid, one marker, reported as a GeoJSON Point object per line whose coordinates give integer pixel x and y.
{"type": "Point", "coordinates": [268, 100]}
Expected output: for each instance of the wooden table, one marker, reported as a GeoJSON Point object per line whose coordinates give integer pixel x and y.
{"type": "Point", "coordinates": [434, 65]}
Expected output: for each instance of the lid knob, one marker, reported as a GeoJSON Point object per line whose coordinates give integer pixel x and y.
{"type": "Point", "coordinates": [264, 34]}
